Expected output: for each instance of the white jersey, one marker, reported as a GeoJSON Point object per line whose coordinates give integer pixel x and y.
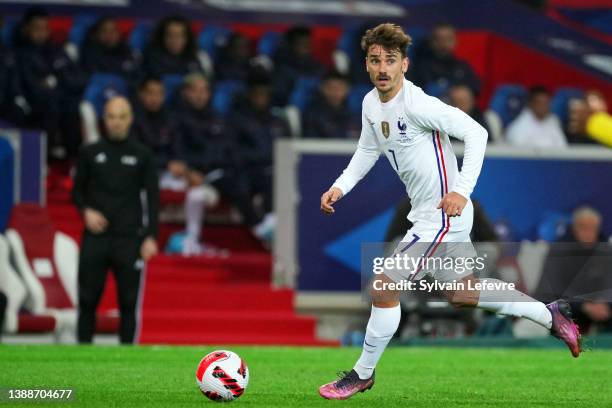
{"type": "Point", "coordinates": [412, 131]}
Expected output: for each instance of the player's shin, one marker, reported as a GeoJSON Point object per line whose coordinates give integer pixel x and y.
{"type": "Point", "coordinates": [511, 302]}
{"type": "Point", "coordinates": [381, 327]}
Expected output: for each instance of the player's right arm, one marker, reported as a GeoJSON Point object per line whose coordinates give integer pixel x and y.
{"type": "Point", "coordinates": [363, 160]}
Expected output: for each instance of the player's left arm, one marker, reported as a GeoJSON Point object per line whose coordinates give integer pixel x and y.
{"type": "Point", "coordinates": [439, 116]}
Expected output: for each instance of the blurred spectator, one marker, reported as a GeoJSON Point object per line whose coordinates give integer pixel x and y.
{"type": "Point", "coordinates": [49, 80]}
{"type": "Point", "coordinates": [589, 120]}
{"type": "Point", "coordinates": [294, 59]}
{"type": "Point", "coordinates": [578, 269]}
{"type": "Point", "coordinates": [436, 63]}
{"type": "Point", "coordinates": [328, 115]}
{"type": "Point", "coordinates": [357, 73]}
{"type": "Point", "coordinates": [11, 98]}
{"type": "Point", "coordinates": [105, 51]}
{"type": "Point", "coordinates": [462, 97]}
{"type": "Point", "coordinates": [152, 121]}
{"type": "Point", "coordinates": [578, 113]}
{"type": "Point", "coordinates": [257, 127]}
{"type": "Point", "coordinates": [206, 148]}
{"type": "Point", "coordinates": [235, 59]}
{"type": "Point", "coordinates": [172, 49]}
{"type": "Point", "coordinates": [535, 126]}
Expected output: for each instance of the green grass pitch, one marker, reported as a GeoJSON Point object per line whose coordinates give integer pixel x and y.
{"type": "Point", "coordinates": [287, 377]}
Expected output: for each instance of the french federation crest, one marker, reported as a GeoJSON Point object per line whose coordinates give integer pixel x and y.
{"type": "Point", "coordinates": [401, 125]}
{"type": "Point", "coordinates": [385, 129]}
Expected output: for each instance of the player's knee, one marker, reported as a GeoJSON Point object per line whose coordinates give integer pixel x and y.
{"type": "Point", "coordinates": [384, 298]}
{"type": "Point", "coordinates": [462, 298]}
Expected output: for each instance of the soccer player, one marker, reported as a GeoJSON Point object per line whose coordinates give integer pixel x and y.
{"type": "Point", "coordinates": [412, 130]}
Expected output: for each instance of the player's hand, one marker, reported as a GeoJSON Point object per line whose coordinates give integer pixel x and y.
{"type": "Point", "coordinates": [452, 204]}
{"type": "Point", "coordinates": [95, 222]}
{"type": "Point", "coordinates": [329, 198]}
{"type": "Point", "coordinates": [148, 249]}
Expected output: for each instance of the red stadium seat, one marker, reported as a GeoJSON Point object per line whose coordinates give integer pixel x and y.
{"type": "Point", "coordinates": [47, 261]}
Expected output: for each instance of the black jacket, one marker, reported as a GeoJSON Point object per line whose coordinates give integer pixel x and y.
{"type": "Point", "coordinates": [255, 134]}
{"type": "Point", "coordinates": [118, 60]}
{"type": "Point", "coordinates": [433, 68]}
{"type": "Point", "coordinates": [202, 139]}
{"type": "Point", "coordinates": [154, 130]}
{"type": "Point", "coordinates": [110, 177]}
{"type": "Point", "coordinates": [158, 63]}
{"type": "Point", "coordinates": [321, 120]}
{"type": "Point", "coordinates": [47, 73]}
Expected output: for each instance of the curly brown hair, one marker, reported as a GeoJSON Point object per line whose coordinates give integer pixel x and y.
{"type": "Point", "coordinates": [388, 35]}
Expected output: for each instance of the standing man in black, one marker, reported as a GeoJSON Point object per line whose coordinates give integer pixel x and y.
{"type": "Point", "coordinates": [110, 176]}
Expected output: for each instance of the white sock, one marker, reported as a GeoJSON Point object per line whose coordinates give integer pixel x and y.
{"type": "Point", "coordinates": [195, 201]}
{"type": "Point", "coordinates": [382, 325]}
{"type": "Point", "coordinates": [515, 303]}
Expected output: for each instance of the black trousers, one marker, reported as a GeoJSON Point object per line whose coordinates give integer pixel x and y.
{"type": "Point", "coordinates": [3, 303]}
{"type": "Point", "coordinates": [99, 253]}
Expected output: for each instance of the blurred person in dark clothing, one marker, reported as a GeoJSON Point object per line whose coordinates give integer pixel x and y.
{"type": "Point", "coordinates": [12, 102]}
{"type": "Point", "coordinates": [236, 59]}
{"type": "Point", "coordinates": [461, 96]}
{"type": "Point", "coordinates": [257, 127]}
{"type": "Point", "coordinates": [110, 176]}
{"type": "Point", "coordinates": [436, 62]}
{"type": "Point", "coordinates": [105, 51]}
{"type": "Point", "coordinates": [207, 149]}
{"type": "Point", "coordinates": [579, 268]}
{"type": "Point", "coordinates": [328, 116]}
{"type": "Point", "coordinates": [152, 126]}
{"type": "Point", "coordinates": [293, 60]}
{"type": "Point", "coordinates": [49, 80]}
{"type": "Point", "coordinates": [172, 49]}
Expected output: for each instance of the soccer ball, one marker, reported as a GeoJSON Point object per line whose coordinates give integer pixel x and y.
{"type": "Point", "coordinates": [222, 376]}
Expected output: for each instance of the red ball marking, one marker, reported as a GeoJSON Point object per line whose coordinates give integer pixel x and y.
{"type": "Point", "coordinates": [207, 361]}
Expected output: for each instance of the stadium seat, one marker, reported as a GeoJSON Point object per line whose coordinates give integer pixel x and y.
{"type": "Point", "coordinates": [7, 180]}
{"type": "Point", "coordinates": [139, 36]}
{"type": "Point", "coordinates": [172, 83]}
{"type": "Point", "coordinates": [437, 88]}
{"type": "Point", "coordinates": [344, 54]}
{"type": "Point", "coordinates": [47, 260]}
{"type": "Point", "coordinates": [12, 287]}
{"type": "Point", "coordinates": [8, 31]}
{"type": "Point", "coordinates": [100, 89]}
{"type": "Point", "coordinates": [268, 43]}
{"type": "Point", "coordinates": [266, 48]}
{"type": "Point", "coordinates": [355, 98]}
{"type": "Point", "coordinates": [603, 22]}
{"type": "Point", "coordinates": [553, 226]}
{"type": "Point", "coordinates": [508, 101]}
{"type": "Point", "coordinates": [212, 38]}
{"type": "Point", "coordinates": [418, 35]}
{"type": "Point", "coordinates": [303, 91]}
{"type": "Point", "coordinates": [223, 97]}
{"type": "Point", "coordinates": [559, 105]}
{"type": "Point", "coordinates": [77, 34]}
{"type": "Point", "coordinates": [80, 26]}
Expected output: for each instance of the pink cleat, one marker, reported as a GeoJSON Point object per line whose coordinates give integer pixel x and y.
{"type": "Point", "coordinates": [563, 327]}
{"type": "Point", "coordinates": [348, 385]}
